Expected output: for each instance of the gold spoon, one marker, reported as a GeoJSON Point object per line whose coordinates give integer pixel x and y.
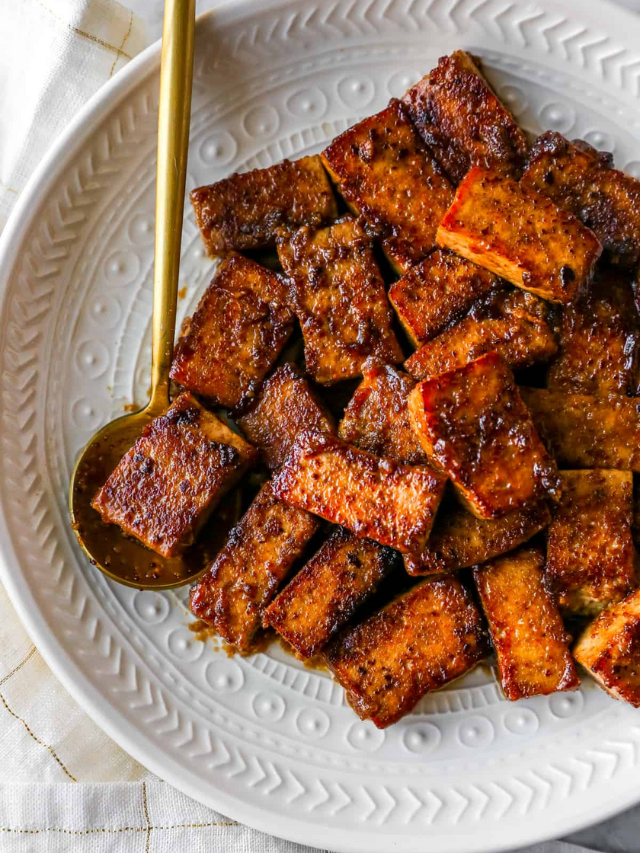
{"type": "Point", "coordinates": [123, 559]}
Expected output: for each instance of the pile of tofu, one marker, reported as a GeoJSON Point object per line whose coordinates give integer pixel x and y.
{"type": "Point", "coordinates": [435, 381]}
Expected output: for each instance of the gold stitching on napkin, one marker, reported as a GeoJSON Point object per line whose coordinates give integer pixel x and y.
{"type": "Point", "coordinates": [19, 667]}
{"type": "Point", "coordinates": [146, 815]}
{"type": "Point", "coordinates": [8, 189]}
{"type": "Point", "coordinates": [104, 829]}
{"type": "Point", "coordinates": [95, 39]}
{"type": "Point", "coordinates": [126, 36]}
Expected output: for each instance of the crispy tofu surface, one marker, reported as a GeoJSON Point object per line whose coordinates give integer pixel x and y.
{"type": "Point", "coordinates": [424, 639]}
{"type": "Point", "coordinates": [474, 426]}
{"type": "Point", "coordinates": [260, 552]}
{"type": "Point", "coordinates": [389, 177]}
{"type": "Point", "coordinates": [526, 628]}
{"type": "Point", "coordinates": [374, 497]}
{"type": "Point", "coordinates": [245, 212]}
{"type": "Point", "coordinates": [521, 235]}
{"type": "Point", "coordinates": [166, 487]}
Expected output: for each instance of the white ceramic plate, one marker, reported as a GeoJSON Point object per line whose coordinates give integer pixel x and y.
{"type": "Point", "coordinates": [263, 739]}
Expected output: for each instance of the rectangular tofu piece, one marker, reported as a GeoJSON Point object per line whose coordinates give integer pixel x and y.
{"type": "Point", "coordinates": [474, 426]}
{"type": "Point", "coordinates": [374, 497]}
{"type": "Point", "coordinates": [590, 552]}
{"type": "Point", "coordinates": [526, 628]}
{"type": "Point", "coordinates": [389, 177]}
{"type": "Point", "coordinates": [340, 299]}
{"type": "Point", "coordinates": [245, 212]}
{"type": "Point", "coordinates": [260, 552]}
{"type": "Point", "coordinates": [424, 639]}
{"type": "Point", "coordinates": [609, 649]}
{"type": "Point", "coordinates": [521, 235]}
{"type": "Point", "coordinates": [509, 322]}
{"type": "Point", "coordinates": [587, 432]}
{"type": "Point", "coordinates": [605, 199]}
{"type": "Point", "coordinates": [437, 292]}
{"type": "Point", "coordinates": [166, 487]}
{"type": "Point", "coordinates": [462, 120]}
{"type": "Point", "coordinates": [326, 593]}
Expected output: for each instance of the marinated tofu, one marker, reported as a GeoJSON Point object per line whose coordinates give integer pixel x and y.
{"type": "Point", "coordinates": [374, 497]}
{"type": "Point", "coordinates": [532, 646]}
{"type": "Point", "coordinates": [423, 640]}
{"type": "Point", "coordinates": [521, 235]}
{"type": "Point", "coordinates": [286, 405]}
{"type": "Point", "coordinates": [326, 593]}
{"type": "Point", "coordinates": [389, 177]}
{"type": "Point", "coordinates": [260, 553]}
{"type": "Point", "coordinates": [462, 120]}
{"type": "Point", "coordinates": [245, 212]}
{"type": "Point", "coordinates": [340, 299]}
{"type": "Point", "coordinates": [474, 426]}
{"type": "Point", "coordinates": [166, 487]}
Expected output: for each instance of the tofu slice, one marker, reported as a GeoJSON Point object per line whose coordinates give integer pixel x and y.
{"type": "Point", "coordinates": [605, 199]}
{"type": "Point", "coordinates": [437, 292]}
{"type": "Point", "coordinates": [423, 640]}
{"type": "Point", "coordinates": [521, 235]}
{"type": "Point", "coordinates": [166, 487]}
{"type": "Point", "coordinates": [609, 649]}
{"type": "Point", "coordinates": [260, 553]}
{"type": "Point", "coordinates": [340, 299]}
{"type": "Point", "coordinates": [474, 426]}
{"type": "Point", "coordinates": [509, 322]}
{"type": "Point", "coordinates": [462, 120]}
{"type": "Point", "coordinates": [526, 628]}
{"type": "Point", "coordinates": [590, 552]}
{"type": "Point", "coordinates": [374, 497]}
{"type": "Point", "coordinates": [236, 334]}
{"type": "Point", "coordinates": [245, 212]}
{"type": "Point", "coordinates": [389, 177]}
{"type": "Point", "coordinates": [326, 593]}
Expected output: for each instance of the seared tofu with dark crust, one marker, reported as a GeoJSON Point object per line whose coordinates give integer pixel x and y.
{"type": "Point", "coordinates": [521, 235]}
{"type": "Point", "coordinates": [389, 177]}
{"type": "Point", "coordinates": [326, 593]}
{"type": "Point", "coordinates": [587, 432]}
{"type": "Point", "coordinates": [374, 497]}
{"type": "Point", "coordinates": [437, 292]}
{"type": "Point", "coordinates": [287, 405]}
{"type": "Point", "coordinates": [605, 199]}
{"type": "Point", "coordinates": [609, 649]}
{"type": "Point", "coordinates": [260, 552]}
{"type": "Point", "coordinates": [474, 426]}
{"type": "Point", "coordinates": [590, 552]}
{"type": "Point", "coordinates": [166, 487]}
{"type": "Point", "coordinates": [340, 299]}
{"type": "Point", "coordinates": [236, 334]}
{"type": "Point", "coordinates": [245, 212]}
{"type": "Point", "coordinates": [509, 322]}
{"type": "Point", "coordinates": [526, 628]}
{"type": "Point", "coordinates": [423, 640]}
{"type": "Point", "coordinates": [462, 120]}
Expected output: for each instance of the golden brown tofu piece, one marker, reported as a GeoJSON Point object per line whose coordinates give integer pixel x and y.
{"type": "Point", "coordinates": [388, 176]}
{"type": "Point", "coordinates": [587, 432]}
{"type": "Point", "coordinates": [521, 235]}
{"type": "Point", "coordinates": [340, 299]}
{"type": "Point", "coordinates": [509, 322]}
{"type": "Point", "coordinates": [374, 497]}
{"type": "Point", "coordinates": [474, 426]}
{"type": "Point", "coordinates": [325, 594]}
{"type": "Point", "coordinates": [526, 628]}
{"type": "Point", "coordinates": [236, 334]}
{"type": "Point", "coordinates": [260, 552]}
{"type": "Point", "coordinates": [609, 649]}
{"type": "Point", "coordinates": [245, 212]}
{"type": "Point", "coordinates": [605, 199]}
{"type": "Point", "coordinates": [166, 487]}
{"type": "Point", "coordinates": [590, 552]}
{"type": "Point", "coordinates": [462, 120]}
{"type": "Point", "coordinates": [437, 292]}
{"type": "Point", "coordinates": [423, 640]}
